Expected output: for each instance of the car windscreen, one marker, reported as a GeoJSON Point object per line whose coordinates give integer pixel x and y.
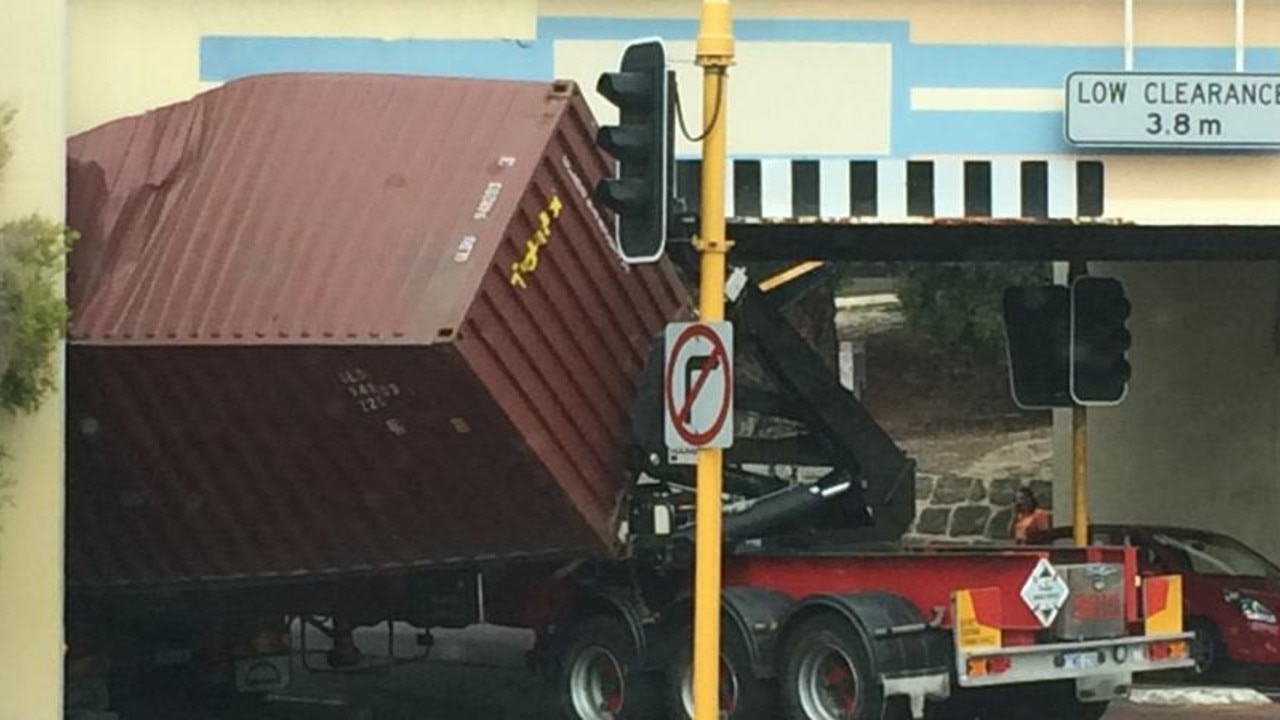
{"type": "Point", "coordinates": [1220, 555]}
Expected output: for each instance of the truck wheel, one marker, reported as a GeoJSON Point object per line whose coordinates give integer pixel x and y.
{"type": "Point", "coordinates": [599, 675]}
{"type": "Point", "coordinates": [828, 674]}
{"type": "Point", "coordinates": [743, 696]}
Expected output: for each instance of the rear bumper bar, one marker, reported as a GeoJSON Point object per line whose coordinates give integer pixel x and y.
{"type": "Point", "coordinates": [1075, 660]}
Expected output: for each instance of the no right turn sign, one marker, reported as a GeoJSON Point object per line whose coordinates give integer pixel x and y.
{"type": "Point", "coordinates": [698, 386]}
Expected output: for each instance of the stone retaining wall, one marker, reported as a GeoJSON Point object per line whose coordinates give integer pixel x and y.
{"type": "Point", "coordinates": [970, 509]}
{"type": "Point", "coordinates": [949, 508]}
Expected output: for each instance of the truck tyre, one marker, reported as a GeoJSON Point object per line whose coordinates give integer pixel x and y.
{"type": "Point", "coordinates": [743, 696]}
{"type": "Point", "coordinates": [599, 675]}
{"type": "Point", "coordinates": [828, 673]}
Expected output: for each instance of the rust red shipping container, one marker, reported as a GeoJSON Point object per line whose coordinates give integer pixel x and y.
{"type": "Point", "coordinates": [327, 324]}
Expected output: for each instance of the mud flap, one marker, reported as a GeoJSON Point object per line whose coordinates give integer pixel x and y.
{"type": "Point", "coordinates": [918, 689]}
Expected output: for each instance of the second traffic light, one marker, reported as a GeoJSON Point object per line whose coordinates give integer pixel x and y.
{"type": "Point", "coordinates": [1100, 342]}
{"type": "Point", "coordinates": [1037, 321]}
{"type": "Point", "coordinates": [643, 144]}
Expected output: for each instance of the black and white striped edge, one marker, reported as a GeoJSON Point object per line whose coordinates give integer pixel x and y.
{"type": "Point", "coordinates": [894, 189]}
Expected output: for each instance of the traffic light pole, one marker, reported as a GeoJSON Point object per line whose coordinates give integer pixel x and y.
{"type": "Point", "coordinates": [1079, 474]}
{"type": "Point", "coordinates": [715, 55]}
{"type": "Point", "coordinates": [1079, 452]}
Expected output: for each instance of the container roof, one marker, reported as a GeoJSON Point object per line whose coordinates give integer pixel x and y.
{"type": "Point", "coordinates": [300, 209]}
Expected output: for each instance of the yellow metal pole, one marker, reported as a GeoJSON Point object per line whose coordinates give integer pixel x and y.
{"type": "Point", "coordinates": [715, 55]}
{"type": "Point", "coordinates": [1079, 475]}
{"type": "Point", "coordinates": [1079, 449]}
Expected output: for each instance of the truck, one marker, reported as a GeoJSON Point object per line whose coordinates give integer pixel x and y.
{"type": "Point", "coordinates": [353, 349]}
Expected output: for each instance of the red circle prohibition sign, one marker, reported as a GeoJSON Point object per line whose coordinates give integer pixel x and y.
{"type": "Point", "coordinates": [718, 359]}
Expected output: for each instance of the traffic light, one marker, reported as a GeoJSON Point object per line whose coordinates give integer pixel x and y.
{"type": "Point", "coordinates": [1037, 322]}
{"type": "Point", "coordinates": [643, 144]}
{"type": "Point", "coordinates": [1100, 341]}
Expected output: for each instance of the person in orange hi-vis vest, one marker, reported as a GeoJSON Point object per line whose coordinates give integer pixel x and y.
{"type": "Point", "coordinates": [1029, 517]}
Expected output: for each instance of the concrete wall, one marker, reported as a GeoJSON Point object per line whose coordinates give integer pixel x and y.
{"type": "Point", "coordinates": [128, 56]}
{"type": "Point", "coordinates": [1195, 442]}
{"type": "Point", "coordinates": [33, 81]}
{"type": "Point", "coordinates": [815, 78]}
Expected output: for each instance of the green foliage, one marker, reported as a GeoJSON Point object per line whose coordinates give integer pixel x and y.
{"type": "Point", "coordinates": [32, 312]}
{"type": "Point", "coordinates": [33, 315]}
{"type": "Point", "coordinates": [952, 309]}
{"type": "Point", "coordinates": [955, 308]}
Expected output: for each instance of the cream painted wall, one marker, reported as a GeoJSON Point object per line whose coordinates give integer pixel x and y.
{"type": "Point", "coordinates": [1194, 189]}
{"type": "Point", "coordinates": [778, 117]}
{"type": "Point", "coordinates": [770, 113]}
{"type": "Point", "coordinates": [120, 66]}
{"type": "Point", "coordinates": [33, 81]}
{"type": "Point", "coordinates": [1195, 442]}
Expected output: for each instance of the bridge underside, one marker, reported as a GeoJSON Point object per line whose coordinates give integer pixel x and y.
{"type": "Point", "coordinates": [989, 240]}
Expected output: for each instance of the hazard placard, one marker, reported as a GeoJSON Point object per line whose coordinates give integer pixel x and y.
{"type": "Point", "coordinates": [1045, 592]}
{"type": "Point", "coordinates": [698, 386]}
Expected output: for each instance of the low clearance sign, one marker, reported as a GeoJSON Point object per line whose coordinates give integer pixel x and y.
{"type": "Point", "coordinates": [1174, 110]}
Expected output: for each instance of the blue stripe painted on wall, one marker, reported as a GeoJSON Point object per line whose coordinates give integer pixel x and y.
{"type": "Point", "coordinates": [914, 65]}
{"type": "Point", "coordinates": [984, 133]}
{"type": "Point", "coordinates": [552, 28]}
{"type": "Point", "coordinates": [1160, 59]}
{"type": "Point", "coordinates": [227, 58]}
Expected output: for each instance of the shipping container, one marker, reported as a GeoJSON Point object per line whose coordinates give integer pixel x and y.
{"type": "Point", "coordinates": [326, 324]}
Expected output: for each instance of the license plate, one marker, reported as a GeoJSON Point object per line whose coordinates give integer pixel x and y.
{"type": "Point", "coordinates": [266, 673]}
{"type": "Point", "coordinates": [1080, 660]}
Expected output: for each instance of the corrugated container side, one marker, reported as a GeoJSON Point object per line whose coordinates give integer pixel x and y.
{"type": "Point", "coordinates": [298, 350]}
{"type": "Point", "coordinates": [289, 474]}
{"type": "Point", "coordinates": [299, 209]}
{"type": "Point", "coordinates": [575, 330]}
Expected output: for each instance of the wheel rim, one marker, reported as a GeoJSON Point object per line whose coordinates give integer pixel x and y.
{"type": "Point", "coordinates": [829, 684]}
{"type": "Point", "coordinates": [596, 685]}
{"type": "Point", "coordinates": [728, 688]}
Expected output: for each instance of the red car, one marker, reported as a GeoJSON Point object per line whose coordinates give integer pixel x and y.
{"type": "Point", "coordinates": [1231, 592]}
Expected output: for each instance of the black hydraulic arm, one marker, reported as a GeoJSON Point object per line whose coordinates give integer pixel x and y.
{"type": "Point", "coordinates": [872, 487]}
{"type": "Point", "coordinates": [881, 471]}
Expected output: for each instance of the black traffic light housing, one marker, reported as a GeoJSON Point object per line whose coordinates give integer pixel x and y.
{"type": "Point", "coordinates": [644, 144]}
{"type": "Point", "coordinates": [1037, 324]}
{"type": "Point", "coordinates": [1100, 341]}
